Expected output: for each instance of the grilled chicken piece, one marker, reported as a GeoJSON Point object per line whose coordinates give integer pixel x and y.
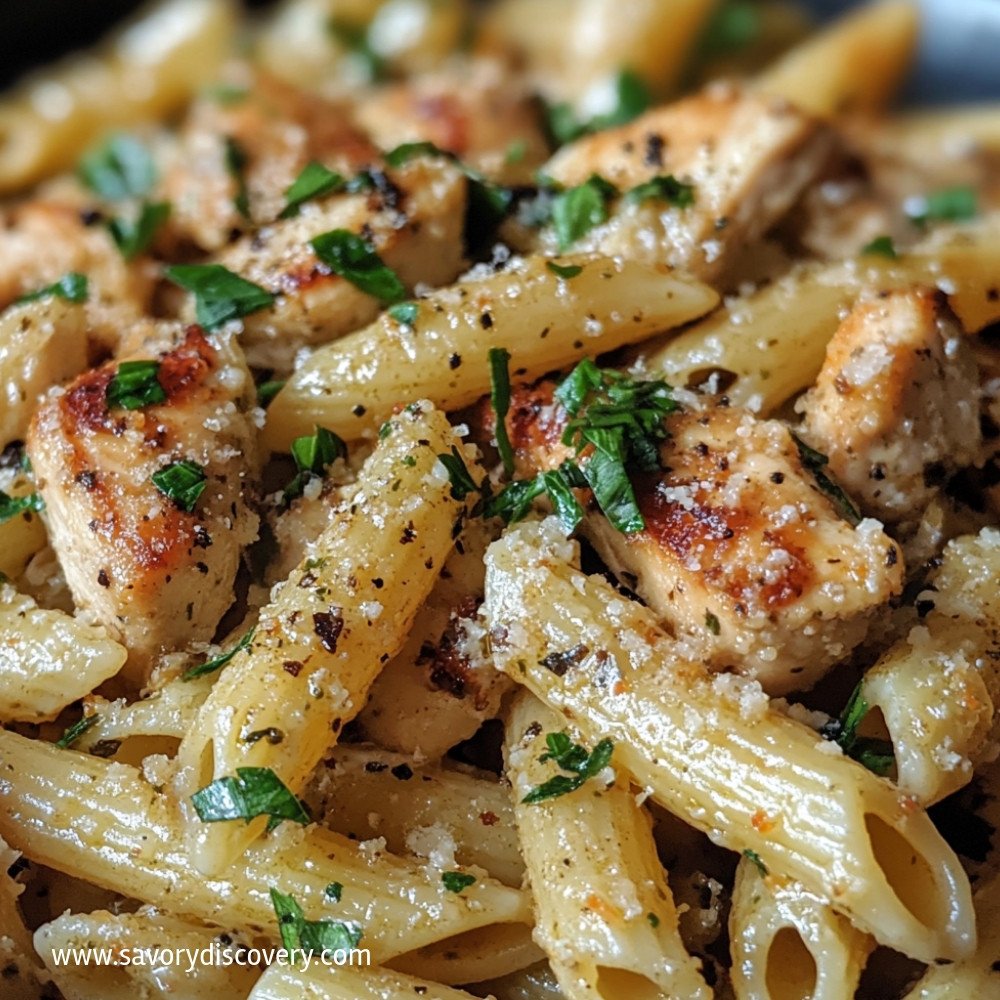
{"type": "Point", "coordinates": [748, 157]}
{"type": "Point", "coordinates": [896, 404]}
{"type": "Point", "coordinates": [743, 554]}
{"type": "Point", "coordinates": [413, 218]}
{"type": "Point", "coordinates": [155, 575]}
{"type": "Point", "coordinates": [260, 140]}
{"type": "Point", "coordinates": [44, 239]}
{"type": "Point", "coordinates": [475, 111]}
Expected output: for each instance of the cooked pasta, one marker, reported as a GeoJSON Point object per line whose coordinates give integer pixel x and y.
{"type": "Point", "coordinates": [498, 498]}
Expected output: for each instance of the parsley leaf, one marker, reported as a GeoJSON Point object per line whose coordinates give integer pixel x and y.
{"type": "Point", "coordinates": [733, 26]}
{"type": "Point", "coordinates": [219, 294]}
{"type": "Point", "coordinates": [133, 236]}
{"type": "Point", "coordinates": [881, 246]}
{"type": "Point", "coordinates": [955, 204]}
{"type": "Point", "coordinates": [514, 500]}
{"type": "Point", "coordinates": [354, 37]}
{"type": "Point", "coordinates": [712, 623]}
{"type": "Point", "coordinates": [654, 920]}
{"type": "Point", "coordinates": [218, 662]}
{"type": "Point", "coordinates": [311, 935]}
{"type": "Point", "coordinates": [499, 360]}
{"type": "Point", "coordinates": [405, 313]}
{"type": "Point", "coordinates": [754, 858]}
{"type": "Point", "coordinates": [333, 891]}
{"type": "Point", "coordinates": [875, 754]}
{"type": "Point", "coordinates": [563, 270]}
{"type": "Point", "coordinates": [355, 260]}
{"type": "Point", "coordinates": [313, 454]}
{"type": "Point", "coordinates": [457, 881]}
{"type": "Point", "coordinates": [72, 287]}
{"type": "Point", "coordinates": [119, 168]}
{"type": "Point", "coordinates": [815, 461]}
{"type": "Point", "coordinates": [462, 483]}
{"type": "Point", "coordinates": [577, 210]}
{"type": "Point", "coordinates": [12, 506]}
{"type": "Point", "coordinates": [407, 151]}
{"type": "Point", "coordinates": [266, 391]}
{"type": "Point", "coordinates": [183, 482]}
{"type": "Point", "coordinates": [632, 98]}
{"type": "Point", "coordinates": [314, 181]}
{"type": "Point", "coordinates": [564, 502]}
{"type": "Point", "coordinates": [255, 791]}
{"type": "Point", "coordinates": [570, 757]}
{"type": "Point", "coordinates": [664, 187]}
{"type": "Point", "coordinates": [236, 162]}
{"type": "Point", "coordinates": [74, 732]}
{"type": "Point", "coordinates": [135, 385]}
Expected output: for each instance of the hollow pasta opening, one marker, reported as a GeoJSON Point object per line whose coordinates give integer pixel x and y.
{"type": "Point", "coordinates": [790, 972]}
{"type": "Point", "coordinates": [613, 984]}
{"type": "Point", "coordinates": [909, 875]}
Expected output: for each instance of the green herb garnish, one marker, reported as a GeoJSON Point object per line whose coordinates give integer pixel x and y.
{"type": "Point", "coordinates": [881, 246]}
{"type": "Point", "coordinates": [499, 359]}
{"type": "Point", "coordinates": [712, 623]}
{"type": "Point", "coordinates": [72, 287]}
{"type": "Point", "coordinates": [754, 858]}
{"type": "Point", "coordinates": [955, 204]}
{"type": "Point", "coordinates": [311, 936]}
{"type": "Point", "coordinates": [219, 294]}
{"type": "Point", "coordinates": [134, 236]}
{"type": "Point", "coordinates": [183, 482]}
{"type": "Point", "coordinates": [815, 461]}
{"type": "Point", "coordinates": [135, 385]}
{"type": "Point", "coordinates": [653, 919]}
{"type": "Point", "coordinates": [12, 506]}
{"type": "Point", "coordinates": [218, 662]}
{"type": "Point", "coordinates": [570, 757]}
{"type": "Point", "coordinates": [236, 163]}
{"type": "Point", "coordinates": [566, 271]}
{"type": "Point", "coordinates": [119, 168]}
{"type": "Point", "coordinates": [632, 98]}
{"type": "Point", "coordinates": [457, 881]}
{"type": "Point", "coordinates": [462, 483]}
{"type": "Point", "coordinates": [266, 391]}
{"type": "Point", "coordinates": [74, 732]}
{"type": "Point", "coordinates": [333, 891]}
{"type": "Point", "coordinates": [313, 455]}
{"type": "Point", "coordinates": [664, 187]}
{"type": "Point", "coordinates": [354, 37]}
{"type": "Point", "coordinates": [313, 182]}
{"type": "Point", "coordinates": [356, 261]}
{"type": "Point", "coordinates": [405, 313]}
{"type": "Point", "coordinates": [255, 791]}
{"type": "Point", "coordinates": [577, 210]}
{"type": "Point", "coordinates": [875, 754]}
{"type": "Point", "coordinates": [733, 26]}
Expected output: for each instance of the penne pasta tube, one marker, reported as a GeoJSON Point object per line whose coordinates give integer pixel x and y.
{"type": "Point", "coordinates": [48, 659]}
{"type": "Point", "coordinates": [546, 321]}
{"type": "Point", "coordinates": [101, 821]}
{"type": "Point", "coordinates": [342, 614]}
{"type": "Point", "coordinates": [857, 64]}
{"type": "Point", "coordinates": [606, 917]}
{"type": "Point", "coordinates": [344, 983]}
{"type": "Point", "coordinates": [713, 753]}
{"type": "Point", "coordinates": [146, 938]}
{"type": "Point", "coordinates": [23, 973]}
{"type": "Point", "coordinates": [787, 942]}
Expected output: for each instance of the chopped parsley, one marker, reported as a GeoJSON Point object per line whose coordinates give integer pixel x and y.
{"type": "Point", "coordinates": [654, 920]}
{"type": "Point", "coordinates": [183, 482]}
{"type": "Point", "coordinates": [754, 858]}
{"type": "Point", "coordinates": [733, 26]}
{"type": "Point", "coordinates": [313, 455]}
{"type": "Point", "coordinates": [712, 623]}
{"type": "Point", "coordinates": [266, 391]}
{"type": "Point", "coordinates": [571, 757]}
{"type": "Point", "coordinates": [663, 187]}
{"type": "Point", "coordinates": [356, 261]}
{"type": "Point", "coordinates": [354, 37]}
{"type": "Point", "coordinates": [236, 163]}
{"type": "Point", "coordinates": [462, 483]}
{"type": "Point", "coordinates": [333, 891]}
{"type": "Point", "coordinates": [499, 359]}
{"type": "Point", "coordinates": [954, 204]}
{"type": "Point", "coordinates": [566, 271]}
{"type": "Point", "coordinates": [311, 936]}
{"type": "Point", "coordinates": [407, 151]}
{"type": "Point", "coordinates": [577, 210]}
{"type": "Point", "coordinates": [516, 152]}
{"type": "Point", "coordinates": [405, 313]}
{"type": "Point", "coordinates": [72, 287]}
{"type": "Point", "coordinates": [881, 246]}
{"type": "Point", "coordinates": [74, 732]}
{"type": "Point", "coordinates": [13, 506]}
{"type": "Point", "coordinates": [457, 881]}
{"type": "Point", "coordinates": [135, 385]}
{"type": "Point", "coordinates": [815, 461]}
{"type": "Point", "coordinates": [219, 294]}
{"type": "Point", "coordinates": [632, 98]}
{"type": "Point", "coordinates": [313, 182]}
{"type": "Point", "coordinates": [255, 791]}
{"type": "Point", "coordinates": [119, 168]}
{"type": "Point", "coordinates": [134, 235]}
{"type": "Point", "coordinates": [873, 753]}
{"type": "Point", "coordinates": [218, 662]}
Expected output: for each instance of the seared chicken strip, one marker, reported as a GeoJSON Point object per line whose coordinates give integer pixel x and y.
{"type": "Point", "coordinates": [157, 575]}
{"type": "Point", "coordinates": [896, 404]}
{"type": "Point", "coordinates": [743, 555]}
{"type": "Point", "coordinates": [748, 158]}
{"type": "Point", "coordinates": [412, 218]}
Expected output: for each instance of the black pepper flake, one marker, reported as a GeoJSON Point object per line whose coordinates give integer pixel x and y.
{"type": "Point", "coordinates": [102, 578]}
{"type": "Point", "coordinates": [403, 772]}
{"type": "Point", "coordinates": [891, 556]}
{"type": "Point", "coordinates": [293, 667]}
{"type": "Point", "coordinates": [273, 736]}
{"type": "Point", "coordinates": [201, 568]}
{"type": "Point", "coordinates": [202, 539]}
{"type": "Point", "coordinates": [376, 767]}
{"type": "Point", "coordinates": [328, 626]}
{"type": "Point", "coordinates": [654, 150]}
{"type": "Point", "coordinates": [409, 533]}
{"type": "Point", "coordinates": [86, 479]}
{"type": "Point", "coordinates": [454, 361]}
{"type": "Point", "coordinates": [877, 472]}
{"type": "Point", "coordinates": [559, 662]}
{"type": "Point", "coordinates": [924, 608]}
{"type": "Point", "coordinates": [777, 477]}
{"type": "Point", "coordinates": [535, 729]}
{"type": "Point", "coordinates": [486, 320]}
{"type": "Point", "coordinates": [358, 410]}
{"type": "Point", "coordinates": [378, 583]}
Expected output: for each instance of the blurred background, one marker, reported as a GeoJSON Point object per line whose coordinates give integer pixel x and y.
{"type": "Point", "coordinates": [958, 58]}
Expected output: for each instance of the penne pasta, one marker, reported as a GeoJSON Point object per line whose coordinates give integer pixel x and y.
{"type": "Point", "coordinates": [23, 973]}
{"type": "Point", "coordinates": [712, 752]}
{"type": "Point", "coordinates": [606, 918]}
{"type": "Point", "coordinates": [284, 983]}
{"type": "Point", "coordinates": [546, 321]}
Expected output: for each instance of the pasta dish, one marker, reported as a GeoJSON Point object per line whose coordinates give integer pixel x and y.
{"type": "Point", "coordinates": [498, 500]}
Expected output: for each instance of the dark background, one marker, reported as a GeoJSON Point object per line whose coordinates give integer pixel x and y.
{"type": "Point", "coordinates": [959, 58]}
